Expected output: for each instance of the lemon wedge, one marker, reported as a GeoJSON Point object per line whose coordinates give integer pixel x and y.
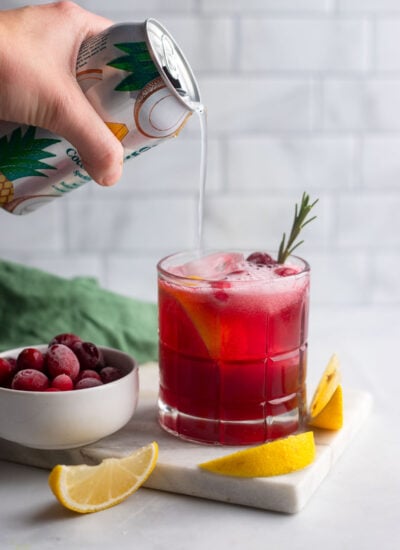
{"type": "Point", "coordinates": [326, 408]}
{"type": "Point", "coordinates": [331, 416]}
{"type": "Point", "coordinates": [327, 386]}
{"type": "Point", "coordinates": [85, 489]}
{"type": "Point", "coordinates": [278, 457]}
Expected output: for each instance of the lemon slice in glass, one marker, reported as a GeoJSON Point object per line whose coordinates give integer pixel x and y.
{"type": "Point", "coordinates": [85, 489]}
{"type": "Point", "coordinates": [278, 457]}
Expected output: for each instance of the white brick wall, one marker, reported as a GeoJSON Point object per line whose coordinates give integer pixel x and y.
{"type": "Point", "coordinates": [304, 44]}
{"type": "Point", "coordinates": [314, 162]}
{"type": "Point", "coordinates": [361, 104]}
{"type": "Point", "coordinates": [240, 103]}
{"type": "Point", "coordinates": [301, 95]}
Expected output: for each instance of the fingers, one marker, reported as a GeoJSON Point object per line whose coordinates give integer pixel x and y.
{"type": "Point", "coordinates": [82, 20]}
{"type": "Point", "coordinates": [100, 151]}
{"type": "Point", "coordinates": [48, 38]}
{"type": "Point", "coordinates": [93, 24]}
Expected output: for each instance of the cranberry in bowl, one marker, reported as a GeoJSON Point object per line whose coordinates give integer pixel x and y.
{"type": "Point", "coordinates": [50, 399]}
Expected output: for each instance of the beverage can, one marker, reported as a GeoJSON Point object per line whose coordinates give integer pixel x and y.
{"type": "Point", "coordinates": [139, 82]}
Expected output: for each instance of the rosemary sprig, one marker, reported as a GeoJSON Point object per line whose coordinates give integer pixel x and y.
{"type": "Point", "coordinates": [300, 221]}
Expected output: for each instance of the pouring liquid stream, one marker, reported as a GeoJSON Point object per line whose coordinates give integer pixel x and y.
{"type": "Point", "coordinates": [202, 116]}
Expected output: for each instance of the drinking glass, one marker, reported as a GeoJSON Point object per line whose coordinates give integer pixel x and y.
{"type": "Point", "coordinates": [232, 347]}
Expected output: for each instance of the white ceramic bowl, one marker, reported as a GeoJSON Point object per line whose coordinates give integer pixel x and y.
{"type": "Point", "coordinates": [67, 419]}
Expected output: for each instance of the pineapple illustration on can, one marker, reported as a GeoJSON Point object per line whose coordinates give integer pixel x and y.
{"type": "Point", "coordinates": [139, 82]}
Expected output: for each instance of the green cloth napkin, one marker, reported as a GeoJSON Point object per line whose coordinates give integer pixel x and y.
{"type": "Point", "coordinates": [35, 306]}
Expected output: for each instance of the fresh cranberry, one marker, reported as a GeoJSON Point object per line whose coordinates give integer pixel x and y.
{"type": "Point", "coordinates": [221, 295]}
{"type": "Point", "coordinates": [51, 389]}
{"type": "Point", "coordinates": [221, 284]}
{"type": "Point", "coordinates": [109, 374]}
{"type": "Point", "coordinates": [62, 382]}
{"type": "Point", "coordinates": [87, 383]}
{"type": "Point", "coordinates": [88, 373]}
{"type": "Point", "coordinates": [30, 380]}
{"type": "Point", "coordinates": [261, 258]}
{"type": "Point", "coordinates": [89, 355]}
{"type": "Point", "coordinates": [285, 271]}
{"type": "Point", "coordinates": [62, 360]}
{"type": "Point", "coordinates": [66, 338]}
{"type": "Point", "coordinates": [6, 372]}
{"type": "Point", "coordinates": [220, 287]}
{"type": "Point", "coordinates": [13, 363]}
{"type": "Point", "coordinates": [30, 358]}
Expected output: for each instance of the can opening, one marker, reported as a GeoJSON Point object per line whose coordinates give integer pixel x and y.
{"type": "Point", "coordinates": [172, 64]}
{"type": "Point", "coordinates": [174, 81]}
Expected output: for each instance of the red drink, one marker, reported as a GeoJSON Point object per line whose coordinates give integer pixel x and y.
{"type": "Point", "coordinates": [233, 346]}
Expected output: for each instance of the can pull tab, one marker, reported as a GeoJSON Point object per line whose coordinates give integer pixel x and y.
{"type": "Point", "coordinates": [169, 64]}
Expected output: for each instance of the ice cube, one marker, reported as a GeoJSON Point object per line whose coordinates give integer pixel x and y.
{"type": "Point", "coordinates": [212, 267]}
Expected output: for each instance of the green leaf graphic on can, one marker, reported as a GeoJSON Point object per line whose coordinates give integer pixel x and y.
{"type": "Point", "coordinates": [22, 156]}
{"type": "Point", "coordinates": [138, 62]}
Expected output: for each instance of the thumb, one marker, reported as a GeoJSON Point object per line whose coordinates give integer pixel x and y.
{"type": "Point", "coordinates": [100, 151]}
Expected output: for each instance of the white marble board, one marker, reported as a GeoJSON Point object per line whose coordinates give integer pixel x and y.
{"type": "Point", "coordinates": [177, 469]}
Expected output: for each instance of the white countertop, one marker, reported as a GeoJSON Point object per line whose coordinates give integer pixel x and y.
{"type": "Point", "coordinates": [356, 507]}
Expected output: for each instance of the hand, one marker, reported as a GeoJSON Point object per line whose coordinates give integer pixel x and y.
{"type": "Point", "coordinates": [38, 51]}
